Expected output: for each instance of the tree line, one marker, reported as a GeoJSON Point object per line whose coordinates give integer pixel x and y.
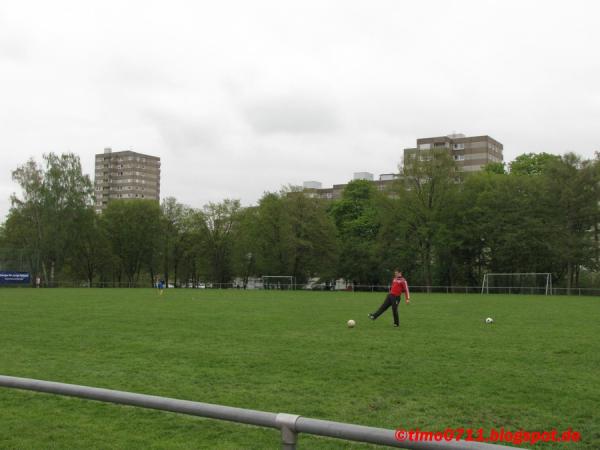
{"type": "Point", "coordinates": [440, 225]}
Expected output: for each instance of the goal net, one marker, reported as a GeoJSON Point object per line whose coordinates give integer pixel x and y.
{"type": "Point", "coordinates": [517, 283]}
{"type": "Point", "coordinates": [278, 282]}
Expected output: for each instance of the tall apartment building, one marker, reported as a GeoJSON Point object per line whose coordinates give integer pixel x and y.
{"type": "Point", "coordinates": [125, 175]}
{"type": "Point", "coordinates": [470, 153]}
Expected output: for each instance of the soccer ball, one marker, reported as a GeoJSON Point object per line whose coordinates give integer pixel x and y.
{"type": "Point", "coordinates": [351, 323]}
{"type": "Point", "coordinates": [489, 320]}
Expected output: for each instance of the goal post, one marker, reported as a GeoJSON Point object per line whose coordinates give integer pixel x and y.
{"type": "Point", "coordinates": [278, 282]}
{"type": "Point", "coordinates": [517, 283]}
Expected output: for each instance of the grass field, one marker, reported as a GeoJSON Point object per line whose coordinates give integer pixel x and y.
{"type": "Point", "coordinates": [537, 368]}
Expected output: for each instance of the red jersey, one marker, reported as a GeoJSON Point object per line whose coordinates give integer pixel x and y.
{"type": "Point", "coordinates": [399, 286]}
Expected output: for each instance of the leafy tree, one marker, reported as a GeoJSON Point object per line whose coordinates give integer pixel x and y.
{"type": "Point", "coordinates": [246, 244]}
{"type": "Point", "coordinates": [313, 246]}
{"type": "Point", "coordinates": [532, 163]}
{"type": "Point", "coordinates": [425, 189]}
{"type": "Point", "coordinates": [132, 228]}
{"type": "Point", "coordinates": [192, 246]}
{"type": "Point", "coordinates": [495, 167]}
{"type": "Point", "coordinates": [173, 217]}
{"type": "Point", "coordinates": [572, 188]}
{"type": "Point", "coordinates": [91, 253]}
{"type": "Point", "coordinates": [53, 197]}
{"type": "Point", "coordinates": [291, 234]}
{"type": "Point", "coordinates": [513, 223]}
{"type": "Point", "coordinates": [395, 246]}
{"type": "Point", "coordinates": [19, 249]}
{"type": "Point", "coordinates": [272, 235]}
{"type": "Point", "coordinates": [358, 220]}
{"type": "Point", "coordinates": [218, 225]}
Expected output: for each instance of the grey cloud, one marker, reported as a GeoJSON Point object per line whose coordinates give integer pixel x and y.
{"type": "Point", "coordinates": [291, 114]}
{"type": "Point", "coordinates": [182, 133]}
{"type": "Point", "coordinates": [138, 74]}
{"type": "Point", "coordinates": [14, 48]}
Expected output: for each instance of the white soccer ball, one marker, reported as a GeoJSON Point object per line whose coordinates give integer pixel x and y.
{"type": "Point", "coordinates": [489, 320]}
{"type": "Point", "coordinates": [351, 323]}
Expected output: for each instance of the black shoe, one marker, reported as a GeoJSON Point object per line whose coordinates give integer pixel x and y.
{"type": "Point", "coordinates": [371, 316]}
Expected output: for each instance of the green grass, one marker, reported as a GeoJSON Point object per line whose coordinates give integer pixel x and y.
{"type": "Point", "coordinates": [537, 368]}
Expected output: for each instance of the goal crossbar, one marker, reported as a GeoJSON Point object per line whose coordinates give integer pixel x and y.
{"type": "Point", "coordinates": [278, 281]}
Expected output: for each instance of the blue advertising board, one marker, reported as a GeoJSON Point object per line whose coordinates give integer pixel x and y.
{"type": "Point", "coordinates": [14, 278]}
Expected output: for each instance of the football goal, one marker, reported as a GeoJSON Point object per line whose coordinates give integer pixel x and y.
{"type": "Point", "coordinates": [517, 283]}
{"type": "Point", "coordinates": [278, 282]}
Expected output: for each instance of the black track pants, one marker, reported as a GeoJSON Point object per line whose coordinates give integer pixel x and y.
{"type": "Point", "coordinates": [390, 300]}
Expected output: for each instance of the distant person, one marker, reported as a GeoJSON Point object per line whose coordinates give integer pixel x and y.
{"type": "Point", "coordinates": [161, 286]}
{"type": "Point", "coordinates": [38, 281]}
{"type": "Point", "coordinates": [399, 285]}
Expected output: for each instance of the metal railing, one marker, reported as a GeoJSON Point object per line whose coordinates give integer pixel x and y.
{"type": "Point", "coordinates": [289, 425]}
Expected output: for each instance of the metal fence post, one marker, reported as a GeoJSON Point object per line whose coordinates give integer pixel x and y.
{"type": "Point", "coordinates": [287, 425]}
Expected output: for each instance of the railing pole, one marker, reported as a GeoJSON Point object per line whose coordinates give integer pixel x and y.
{"type": "Point", "coordinates": [287, 425]}
{"type": "Point", "coordinates": [290, 425]}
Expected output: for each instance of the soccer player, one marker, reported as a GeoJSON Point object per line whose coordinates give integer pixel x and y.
{"type": "Point", "coordinates": [399, 285]}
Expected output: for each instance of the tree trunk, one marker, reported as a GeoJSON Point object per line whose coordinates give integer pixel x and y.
{"type": "Point", "coordinates": [90, 275]}
{"type": "Point", "coordinates": [45, 272]}
{"type": "Point", "coordinates": [428, 266]}
{"type": "Point", "coordinates": [596, 249]}
{"type": "Point", "coordinates": [569, 277]}
{"type": "Point", "coordinates": [175, 267]}
{"type": "Point", "coordinates": [152, 276]}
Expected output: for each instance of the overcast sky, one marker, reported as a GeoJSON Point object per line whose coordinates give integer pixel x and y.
{"type": "Point", "coordinates": [242, 97]}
